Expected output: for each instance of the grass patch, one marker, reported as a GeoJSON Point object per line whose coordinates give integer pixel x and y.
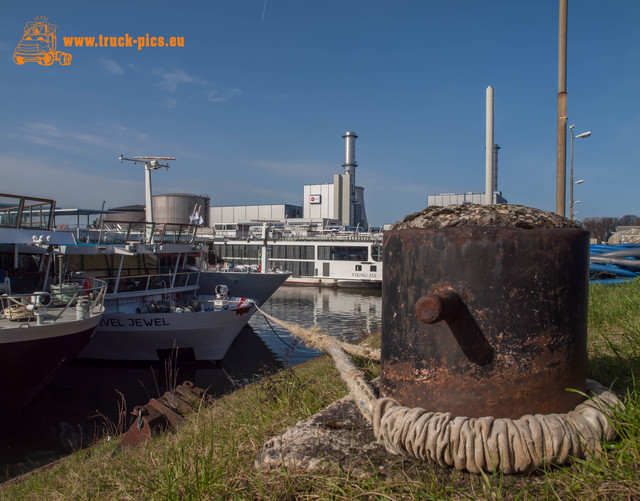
{"type": "Point", "coordinates": [212, 456]}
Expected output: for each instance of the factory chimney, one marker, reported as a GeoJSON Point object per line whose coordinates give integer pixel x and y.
{"type": "Point", "coordinates": [350, 169]}
{"type": "Point", "coordinates": [489, 151]}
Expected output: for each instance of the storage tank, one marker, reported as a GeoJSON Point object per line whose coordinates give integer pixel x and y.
{"type": "Point", "coordinates": [126, 214]}
{"type": "Point", "coordinates": [177, 207]}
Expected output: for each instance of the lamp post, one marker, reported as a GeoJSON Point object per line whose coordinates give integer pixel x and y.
{"type": "Point", "coordinates": [571, 202]}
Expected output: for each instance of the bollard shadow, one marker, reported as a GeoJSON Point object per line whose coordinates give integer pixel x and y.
{"type": "Point", "coordinates": [470, 338]}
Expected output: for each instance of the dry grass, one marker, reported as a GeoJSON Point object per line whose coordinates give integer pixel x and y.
{"type": "Point", "coordinates": [212, 456]}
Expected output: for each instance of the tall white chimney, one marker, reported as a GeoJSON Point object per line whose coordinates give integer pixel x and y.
{"type": "Point", "coordinates": [488, 190]}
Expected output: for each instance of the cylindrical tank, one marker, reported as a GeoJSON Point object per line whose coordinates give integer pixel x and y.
{"type": "Point", "coordinates": [177, 207]}
{"type": "Point", "coordinates": [127, 214]}
{"type": "Point", "coordinates": [485, 311]}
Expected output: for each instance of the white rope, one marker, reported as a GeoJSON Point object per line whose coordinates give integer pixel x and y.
{"type": "Point", "coordinates": [315, 338]}
{"type": "Point", "coordinates": [497, 444]}
{"type": "Point", "coordinates": [473, 444]}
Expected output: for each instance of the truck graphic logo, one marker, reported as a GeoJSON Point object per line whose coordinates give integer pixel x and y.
{"type": "Point", "coordinates": [39, 43]}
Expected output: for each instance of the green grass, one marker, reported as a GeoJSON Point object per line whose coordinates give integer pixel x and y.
{"type": "Point", "coordinates": [212, 456]}
{"type": "Point", "coordinates": [614, 334]}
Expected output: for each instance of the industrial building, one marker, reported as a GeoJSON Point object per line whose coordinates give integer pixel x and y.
{"type": "Point", "coordinates": [444, 199]}
{"type": "Point", "coordinates": [491, 169]}
{"type": "Point", "coordinates": [244, 213]}
{"type": "Point", "coordinates": [338, 203]}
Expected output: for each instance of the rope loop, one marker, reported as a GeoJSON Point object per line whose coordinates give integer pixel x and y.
{"type": "Point", "coordinates": [497, 444]}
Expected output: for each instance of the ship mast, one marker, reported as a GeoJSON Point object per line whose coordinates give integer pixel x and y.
{"type": "Point", "coordinates": [150, 163]}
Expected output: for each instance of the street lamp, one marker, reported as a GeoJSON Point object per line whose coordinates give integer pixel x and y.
{"type": "Point", "coordinates": [571, 202]}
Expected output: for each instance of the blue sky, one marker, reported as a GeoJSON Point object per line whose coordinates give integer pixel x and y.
{"type": "Point", "coordinates": [255, 104]}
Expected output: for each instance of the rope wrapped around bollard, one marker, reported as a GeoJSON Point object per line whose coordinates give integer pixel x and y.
{"type": "Point", "coordinates": [474, 444]}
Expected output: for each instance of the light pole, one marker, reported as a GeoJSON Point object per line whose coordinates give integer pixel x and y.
{"type": "Point", "coordinates": [571, 202]}
{"type": "Point", "coordinates": [561, 156]}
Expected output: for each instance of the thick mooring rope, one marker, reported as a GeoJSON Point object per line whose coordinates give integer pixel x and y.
{"type": "Point", "coordinates": [315, 338]}
{"type": "Point", "coordinates": [473, 444]}
{"type": "Point", "coordinates": [496, 444]}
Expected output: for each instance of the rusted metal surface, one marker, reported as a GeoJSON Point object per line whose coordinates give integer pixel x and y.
{"type": "Point", "coordinates": [162, 413]}
{"type": "Point", "coordinates": [432, 308]}
{"type": "Point", "coordinates": [485, 321]}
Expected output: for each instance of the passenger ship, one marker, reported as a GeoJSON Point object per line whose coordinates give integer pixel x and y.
{"type": "Point", "coordinates": [153, 306]}
{"type": "Point", "coordinates": [331, 256]}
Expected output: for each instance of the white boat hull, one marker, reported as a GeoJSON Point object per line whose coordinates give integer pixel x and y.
{"type": "Point", "coordinates": [145, 336]}
{"type": "Point", "coordinates": [333, 282]}
{"type": "Point", "coordinates": [257, 286]}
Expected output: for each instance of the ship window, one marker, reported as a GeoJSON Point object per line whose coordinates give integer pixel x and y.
{"type": "Point", "coordinates": [341, 253]}
{"type": "Point", "coordinates": [373, 267]}
{"type": "Point", "coordinates": [293, 252]}
{"type": "Point", "coordinates": [106, 265]}
{"type": "Point", "coordinates": [297, 268]}
{"type": "Point", "coordinates": [358, 267]}
{"type": "Point", "coordinates": [376, 253]}
{"type": "Point", "coordinates": [240, 253]}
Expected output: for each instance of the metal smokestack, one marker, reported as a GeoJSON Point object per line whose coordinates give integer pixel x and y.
{"type": "Point", "coordinates": [350, 153]}
{"type": "Point", "coordinates": [488, 190]}
{"type": "Point", "coordinates": [495, 167]}
{"type": "Point", "coordinates": [350, 168]}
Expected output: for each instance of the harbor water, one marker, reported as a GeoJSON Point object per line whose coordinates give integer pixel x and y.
{"type": "Point", "coordinates": [88, 400]}
{"type": "Point", "coordinates": [347, 314]}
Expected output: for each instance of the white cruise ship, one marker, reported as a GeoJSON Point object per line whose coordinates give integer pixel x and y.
{"type": "Point", "coordinates": [331, 257]}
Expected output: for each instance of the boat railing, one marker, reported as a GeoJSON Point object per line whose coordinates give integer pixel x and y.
{"type": "Point", "coordinates": [335, 237]}
{"type": "Point", "coordinates": [156, 283]}
{"type": "Point", "coordinates": [86, 294]}
{"type": "Point", "coordinates": [227, 303]}
{"type": "Point", "coordinates": [21, 212]}
{"type": "Point", "coordinates": [121, 232]}
{"type": "Point", "coordinates": [375, 238]}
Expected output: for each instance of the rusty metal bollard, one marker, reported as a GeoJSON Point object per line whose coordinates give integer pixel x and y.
{"type": "Point", "coordinates": [487, 317]}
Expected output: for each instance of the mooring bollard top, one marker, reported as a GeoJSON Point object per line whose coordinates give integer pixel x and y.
{"type": "Point", "coordinates": [515, 216]}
